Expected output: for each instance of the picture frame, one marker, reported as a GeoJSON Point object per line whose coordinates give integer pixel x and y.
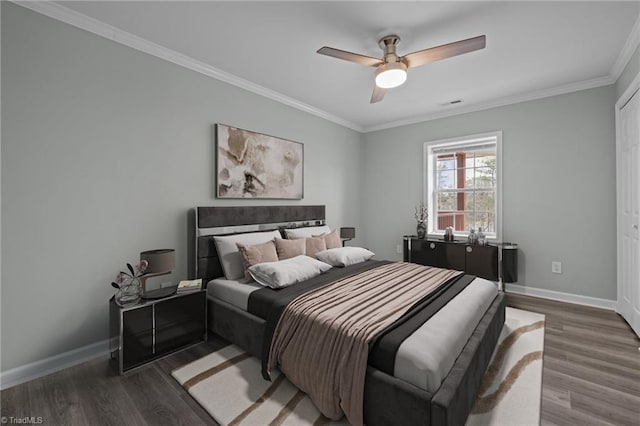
{"type": "Point", "coordinates": [251, 165]}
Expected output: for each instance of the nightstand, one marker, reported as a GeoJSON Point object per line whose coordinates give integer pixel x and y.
{"type": "Point", "coordinates": [155, 328]}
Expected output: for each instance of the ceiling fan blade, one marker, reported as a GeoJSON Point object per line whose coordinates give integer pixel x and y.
{"type": "Point", "coordinates": [348, 56]}
{"type": "Point", "coordinates": [378, 94]}
{"type": "Point", "coordinates": [445, 51]}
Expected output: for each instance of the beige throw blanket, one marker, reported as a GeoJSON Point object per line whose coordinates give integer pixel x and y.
{"type": "Point", "coordinates": [321, 342]}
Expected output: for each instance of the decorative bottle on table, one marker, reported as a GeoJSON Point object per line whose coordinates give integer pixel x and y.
{"type": "Point", "coordinates": [482, 239]}
{"type": "Point", "coordinates": [421, 215]}
{"type": "Point", "coordinates": [448, 233]}
{"type": "Point", "coordinates": [472, 238]}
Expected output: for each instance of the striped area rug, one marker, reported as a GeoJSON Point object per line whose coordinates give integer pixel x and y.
{"type": "Point", "coordinates": [511, 390]}
{"type": "Point", "coordinates": [229, 385]}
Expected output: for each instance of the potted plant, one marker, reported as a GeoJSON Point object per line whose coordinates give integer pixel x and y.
{"type": "Point", "coordinates": [128, 285]}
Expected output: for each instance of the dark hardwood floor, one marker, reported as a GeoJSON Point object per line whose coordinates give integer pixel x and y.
{"type": "Point", "coordinates": [591, 365]}
{"type": "Point", "coordinates": [591, 376]}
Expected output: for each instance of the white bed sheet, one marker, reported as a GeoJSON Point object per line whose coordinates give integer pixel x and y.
{"type": "Point", "coordinates": [425, 357]}
{"type": "Point", "coordinates": [232, 291]}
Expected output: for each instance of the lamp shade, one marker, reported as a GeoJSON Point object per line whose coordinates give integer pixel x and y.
{"type": "Point", "coordinates": [348, 233]}
{"type": "Point", "coordinates": [161, 261]}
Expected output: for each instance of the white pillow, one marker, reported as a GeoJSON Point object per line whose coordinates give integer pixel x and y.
{"type": "Point", "coordinates": [344, 256]}
{"type": "Point", "coordinates": [287, 272]}
{"type": "Point", "coordinates": [228, 252]}
{"type": "Point", "coordinates": [307, 231]}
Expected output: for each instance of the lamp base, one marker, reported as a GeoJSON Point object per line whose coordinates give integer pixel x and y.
{"type": "Point", "coordinates": [160, 293]}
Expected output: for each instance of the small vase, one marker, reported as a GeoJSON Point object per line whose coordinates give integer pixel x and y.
{"type": "Point", "coordinates": [421, 230]}
{"type": "Point", "coordinates": [482, 239]}
{"type": "Point", "coordinates": [129, 293]}
{"type": "Point", "coordinates": [472, 238]}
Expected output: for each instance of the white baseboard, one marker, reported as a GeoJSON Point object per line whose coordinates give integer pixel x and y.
{"type": "Point", "coordinates": [562, 297]}
{"type": "Point", "coordinates": [36, 369]}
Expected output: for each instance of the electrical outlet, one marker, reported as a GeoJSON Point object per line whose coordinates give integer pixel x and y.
{"type": "Point", "coordinates": [556, 267]}
{"type": "Point", "coordinates": [398, 248]}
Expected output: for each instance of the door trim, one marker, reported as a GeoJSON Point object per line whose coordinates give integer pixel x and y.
{"type": "Point", "coordinates": [633, 87]}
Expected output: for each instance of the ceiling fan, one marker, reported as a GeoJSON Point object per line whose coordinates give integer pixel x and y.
{"type": "Point", "coordinates": [391, 70]}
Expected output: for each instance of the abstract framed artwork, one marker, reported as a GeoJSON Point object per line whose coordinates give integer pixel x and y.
{"type": "Point", "coordinates": [253, 165]}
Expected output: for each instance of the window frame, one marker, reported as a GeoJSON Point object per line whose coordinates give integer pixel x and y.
{"type": "Point", "coordinates": [428, 178]}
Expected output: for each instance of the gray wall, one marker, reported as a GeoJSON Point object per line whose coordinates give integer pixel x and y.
{"type": "Point", "coordinates": [628, 74]}
{"type": "Point", "coordinates": [558, 186]}
{"type": "Point", "coordinates": [104, 151]}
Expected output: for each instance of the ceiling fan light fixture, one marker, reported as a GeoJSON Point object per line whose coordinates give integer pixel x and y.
{"type": "Point", "coordinates": [391, 75]}
{"type": "Point", "coordinates": [391, 70]}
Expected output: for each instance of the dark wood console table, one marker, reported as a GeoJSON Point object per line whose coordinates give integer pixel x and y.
{"type": "Point", "coordinates": [481, 261]}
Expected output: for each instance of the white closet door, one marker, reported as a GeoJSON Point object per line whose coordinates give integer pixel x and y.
{"type": "Point", "coordinates": [628, 190]}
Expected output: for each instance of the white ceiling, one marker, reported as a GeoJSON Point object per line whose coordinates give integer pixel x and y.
{"type": "Point", "coordinates": [532, 48]}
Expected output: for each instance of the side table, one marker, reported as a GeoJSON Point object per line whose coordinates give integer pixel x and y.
{"type": "Point", "coordinates": [154, 328]}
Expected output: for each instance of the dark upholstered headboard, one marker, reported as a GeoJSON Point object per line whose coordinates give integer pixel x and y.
{"type": "Point", "coordinates": [205, 222]}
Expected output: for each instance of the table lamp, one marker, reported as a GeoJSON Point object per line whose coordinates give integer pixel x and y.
{"type": "Point", "coordinates": [161, 262]}
{"type": "Point", "coordinates": [347, 234]}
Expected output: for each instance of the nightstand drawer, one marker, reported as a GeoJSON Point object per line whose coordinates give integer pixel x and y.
{"type": "Point", "coordinates": [136, 321]}
{"type": "Point", "coordinates": [187, 308]}
{"type": "Point", "coordinates": [180, 322]}
{"type": "Point", "coordinates": [137, 348]}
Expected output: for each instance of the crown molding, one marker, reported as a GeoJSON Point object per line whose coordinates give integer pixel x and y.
{"type": "Point", "coordinates": [84, 22]}
{"type": "Point", "coordinates": [524, 97]}
{"type": "Point", "coordinates": [630, 46]}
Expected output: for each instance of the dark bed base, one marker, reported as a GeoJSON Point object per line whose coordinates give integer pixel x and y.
{"type": "Point", "coordinates": [387, 400]}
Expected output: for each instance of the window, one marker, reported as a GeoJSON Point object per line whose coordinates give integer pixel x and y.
{"type": "Point", "coordinates": [463, 184]}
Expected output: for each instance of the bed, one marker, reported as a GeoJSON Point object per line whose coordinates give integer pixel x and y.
{"type": "Point", "coordinates": [405, 397]}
